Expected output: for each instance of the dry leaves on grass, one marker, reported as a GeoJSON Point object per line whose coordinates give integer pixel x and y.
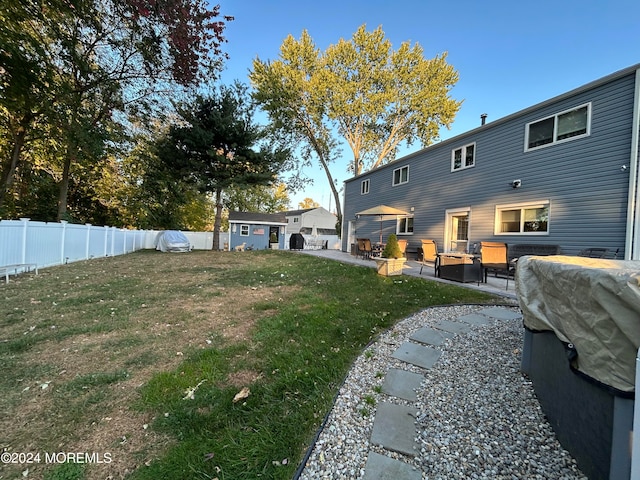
{"type": "Point", "coordinates": [242, 394]}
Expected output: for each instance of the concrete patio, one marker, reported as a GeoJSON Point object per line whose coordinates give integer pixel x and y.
{"type": "Point", "coordinates": [494, 285]}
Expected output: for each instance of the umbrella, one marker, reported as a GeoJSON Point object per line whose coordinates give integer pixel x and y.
{"type": "Point", "coordinates": [381, 211]}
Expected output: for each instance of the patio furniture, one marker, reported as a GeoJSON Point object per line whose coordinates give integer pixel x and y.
{"type": "Point", "coordinates": [517, 250]}
{"type": "Point", "coordinates": [383, 212]}
{"type": "Point", "coordinates": [429, 253]}
{"type": "Point", "coordinates": [377, 248]}
{"type": "Point", "coordinates": [364, 248]}
{"type": "Point", "coordinates": [403, 246]}
{"type": "Point", "coordinates": [459, 267]}
{"type": "Point", "coordinates": [494, 257]}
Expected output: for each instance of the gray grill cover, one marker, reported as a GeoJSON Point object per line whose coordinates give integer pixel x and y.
{"type": "Point", "coordinates": [593, 304]}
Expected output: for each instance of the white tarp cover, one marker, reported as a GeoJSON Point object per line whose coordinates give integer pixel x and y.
{"type": "Point", "coordinates": [172, 241]}
{"type": "Point", "coordinates": [593, 304]}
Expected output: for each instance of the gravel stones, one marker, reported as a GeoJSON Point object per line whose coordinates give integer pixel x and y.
{"type": "Point", "coordinates": [477, 415]}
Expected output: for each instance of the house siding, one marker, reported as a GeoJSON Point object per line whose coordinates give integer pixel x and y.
{"type": "Point", "coordinates": [580, 178]}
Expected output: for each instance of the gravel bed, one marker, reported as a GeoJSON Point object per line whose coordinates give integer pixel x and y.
{"type": "Point", "coordinates": [478, 416]}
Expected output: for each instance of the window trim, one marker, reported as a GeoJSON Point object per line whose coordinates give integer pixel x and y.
{"type": "Point", "coordinates": [463, 162]}
{"type": "Point", "coordinates": [399, 220]}
{"type": "Point", "coordinates": [522, 206]}
{"type": "Point", "coordinates": [244, 230]}
{"type": "Point", "coordinates": [555, 117]}
{"type": "Point", "coordinates": [365, 185]}
{"type": "Point", "coordinates": [400, 182]}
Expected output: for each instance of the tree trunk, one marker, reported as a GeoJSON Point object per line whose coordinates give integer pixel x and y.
{"type": "Point", "coordinates": [9, 167]}
{"type": "Point", "coordinates": [336, 194]}
{"type": "Point", "coordinates": [218, 220]}
{"type": "Point", "coordinates": [64, 186]}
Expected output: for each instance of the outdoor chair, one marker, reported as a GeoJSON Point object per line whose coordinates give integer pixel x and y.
{"type": "Point", "coordinates": [494, 257]}
{"type": "Point", "coordinates": [364, 248]}
{"type": "Point", "coordinates": [429, 253]}
{"type": "Point", "coordinates": [403, 246]}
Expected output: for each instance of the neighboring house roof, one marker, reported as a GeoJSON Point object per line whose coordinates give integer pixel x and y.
{"type": "Point", "coordinates": [252, 217]}
{"type": "Point", "coordinates": [291, 213]}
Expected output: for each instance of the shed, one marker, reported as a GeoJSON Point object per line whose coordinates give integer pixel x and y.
{"type": "Point", "coordinates": [253, 230]}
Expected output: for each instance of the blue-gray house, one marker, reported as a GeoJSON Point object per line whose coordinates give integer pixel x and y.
{"type": "Point", "coordinates": [563, 172]}
{"type": "Point", "coordinates": [255, 230]}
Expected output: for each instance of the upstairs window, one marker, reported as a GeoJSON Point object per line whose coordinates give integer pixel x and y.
{"type": "Point", "coordinates": [463, 157]}
{"type": "Point", "coordinates": [364, 187]}
{"type": "Point", "coordinates": [567, 125]}
{"type": "Point", "coordinates": [401, 175]}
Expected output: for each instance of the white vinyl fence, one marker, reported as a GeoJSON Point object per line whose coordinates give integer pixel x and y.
{"type": "Point", "coordinates": [45, 244]}
{"type": "Point", "coordinates": [51, 243]}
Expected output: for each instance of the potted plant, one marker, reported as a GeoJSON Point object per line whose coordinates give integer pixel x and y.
{"type": "Point", "coordinates": [273, 241]}
{"type": "Point", "coordinates": [391, 260]}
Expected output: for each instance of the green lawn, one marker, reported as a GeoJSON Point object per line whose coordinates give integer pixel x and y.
{"type": "Point", "coordinates": [145, 353]}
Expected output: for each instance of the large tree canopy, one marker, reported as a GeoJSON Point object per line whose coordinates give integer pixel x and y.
{"type": "Point", "coordinates": [288, 90]}
{"type": "Point", "coordinates": [71, 68]}
{"type": "Point", "coordinates": [218, 145]}
{"type": "Point", "coordinates": [379, 97]}
{"type": "Point", "coordinates": [375, 98]}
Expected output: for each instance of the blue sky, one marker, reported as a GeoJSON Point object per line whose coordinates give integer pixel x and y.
{"type": "Point", "coordinates": [509, 54]}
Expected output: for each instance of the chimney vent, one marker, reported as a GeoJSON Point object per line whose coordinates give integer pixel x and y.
{"type": "Point", "coordinates": [483, 118]}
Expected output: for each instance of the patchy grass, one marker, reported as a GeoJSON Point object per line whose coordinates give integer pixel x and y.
{"type": "Point", "coordinates": [198, 365]}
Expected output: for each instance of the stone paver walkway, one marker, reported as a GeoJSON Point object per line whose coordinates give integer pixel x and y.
{"type": "Point", "coordinates": [394, 427]}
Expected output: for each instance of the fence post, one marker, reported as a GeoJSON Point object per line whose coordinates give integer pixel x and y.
{"type": "Point", "coordinates": [63, 239]}
{"type": "Point", "coordinates": [88, 239]}
{"type": "Point", "coordinates": [106, 241]}
{"type": "Point", "coordinates": [25, 225]}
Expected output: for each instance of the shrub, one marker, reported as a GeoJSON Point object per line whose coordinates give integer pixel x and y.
{"type": "Point", "coordinates": [392, 249]}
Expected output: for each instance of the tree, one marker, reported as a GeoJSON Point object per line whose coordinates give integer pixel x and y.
{"type": "Point", "coordinates": [218, 145]}
{"type": "Point", "coordinates": [288, 90]}
{"type": "Point", "coordinates": [375, 98]}
{"type": "Point", "coordinates": [82, 63]}
{"type": "Point", "coordinates": [257, 198]}
{"type": "Point", "coordinates": [308, 203]}
{"type": "Point", "coordinates": [379, 98]}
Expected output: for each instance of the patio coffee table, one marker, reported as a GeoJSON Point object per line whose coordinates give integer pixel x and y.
{"type": "Point", "coordinates": [459, 267]}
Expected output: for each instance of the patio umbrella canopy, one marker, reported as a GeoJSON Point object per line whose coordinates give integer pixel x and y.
{"type": "Point", "coordinates": [381, 211]}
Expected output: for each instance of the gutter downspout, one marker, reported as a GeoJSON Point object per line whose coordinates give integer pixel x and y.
{"type": "Point", "coordinates": [632, 249]}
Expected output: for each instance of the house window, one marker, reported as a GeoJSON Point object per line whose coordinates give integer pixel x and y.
{"type": "Point", "coordinates": [364, 187]}
{"type": "Point", "coordinates": [529, 219]}
{"type": "Point", "coordinates": [463, 157]}
{"type": "Point", "coordinates": [401, 175]}
{"type": "Point", "coordinates": [405, 226]}
{"type": "Point", "coordinates": [244, 230]}
{"type": "Point", "coordinates": [567, 125]}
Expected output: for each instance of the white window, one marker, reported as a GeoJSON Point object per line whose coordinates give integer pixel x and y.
{"type": "Point", "coordinates": [405, 226]}
{"type": "Point", "coordinates": [364, 187]}
{"type": "Point", "coordinates": [401, 175]}
{"type": "Point", "coordinates": [524, 219]}
{"type": "Point", "coordinates": [244, 230]}
{"type": "Point", "coordinates": [564, 126]}
{"type": "Point", "coordinates": [463, 157]}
